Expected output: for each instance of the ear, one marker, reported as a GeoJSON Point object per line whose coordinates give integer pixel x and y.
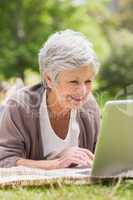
{"type": "Point", "coordinates": [48, 79]}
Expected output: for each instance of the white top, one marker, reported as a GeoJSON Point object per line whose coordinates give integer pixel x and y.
{"type": "Point", "coordinates": [52, 144]}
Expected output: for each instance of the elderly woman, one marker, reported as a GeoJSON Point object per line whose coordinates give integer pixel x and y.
{"type": "Point", "coordinates": [54, 124]}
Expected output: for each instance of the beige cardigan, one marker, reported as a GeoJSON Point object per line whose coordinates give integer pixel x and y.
{"type": "Point", "coordinates": [20, 135]}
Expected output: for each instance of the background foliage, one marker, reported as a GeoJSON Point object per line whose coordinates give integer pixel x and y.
{"type": "Point", "coordinates": [26, 25]}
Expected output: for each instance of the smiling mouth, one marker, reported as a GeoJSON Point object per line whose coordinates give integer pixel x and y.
{"type": "Point", "coordinates": [77, 98]}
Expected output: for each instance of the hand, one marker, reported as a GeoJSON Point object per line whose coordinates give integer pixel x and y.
{"type": "Point", "coordinates": [68, 157]}
{"type": "Point", "coordinates": [75, 155]}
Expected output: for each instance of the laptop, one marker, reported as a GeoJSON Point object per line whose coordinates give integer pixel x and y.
{"type": "Point", "coordinates": [114, 149]}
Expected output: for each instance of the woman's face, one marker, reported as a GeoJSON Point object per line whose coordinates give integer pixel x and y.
{"type": "Point", "coordinates": [73, 87]}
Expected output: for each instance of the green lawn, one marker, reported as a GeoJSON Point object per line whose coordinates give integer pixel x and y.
{"type": "Point", "coordinates": [122, 191]}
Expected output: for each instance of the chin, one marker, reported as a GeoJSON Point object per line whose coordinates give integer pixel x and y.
{"type": "Point", "coordinates": [76, 105]}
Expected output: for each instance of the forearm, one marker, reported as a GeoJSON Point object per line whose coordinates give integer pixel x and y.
{"type": "Point", "coordinates": [42, 164]}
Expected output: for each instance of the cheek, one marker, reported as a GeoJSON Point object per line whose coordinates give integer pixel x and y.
{"type": "Point", "coordinates": [89, 88]}
{"type": "Point", "coordinates": [84, 91]}
{"type": "Point", "coordinates": [63, 94]}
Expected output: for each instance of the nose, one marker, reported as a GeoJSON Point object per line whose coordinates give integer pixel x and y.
{"type": "Point", "coordinates": [81, 89]}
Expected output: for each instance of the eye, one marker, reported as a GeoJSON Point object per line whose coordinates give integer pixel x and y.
{"type": "Point", "coordinates": [88, 81]}
{"type": "Point", "coordinates": [74, 82]}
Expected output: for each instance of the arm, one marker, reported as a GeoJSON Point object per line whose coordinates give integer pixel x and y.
{"type": "Point", "coordinates": [42, 164]}
{"type": "Point", "coordinates": [12, 144]}
{"type": "Point", "coordinates": [11, 138]}
{"type": "Point", "coordinates": [71, 156]}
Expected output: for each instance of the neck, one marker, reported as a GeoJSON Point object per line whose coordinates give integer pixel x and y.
{"type": "Point", "coordinates": [55, 109]}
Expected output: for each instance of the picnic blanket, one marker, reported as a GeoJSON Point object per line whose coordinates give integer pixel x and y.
{"type": "Point", "coordinates": [25, 176]}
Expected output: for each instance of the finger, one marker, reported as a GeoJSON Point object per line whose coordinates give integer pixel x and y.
{"type": "Point", "coordinates": [78, 161]}
{"type": "Point", "coordinates": [83, 160]}
{"type": "Point", "coordinates": [84, 152]}
{"type": "Point", "coordinates": [66, 162]}
{"type": "Point", "coordinates": [89, 153]}
{"type": "Point", "coordinates": [82, 155]}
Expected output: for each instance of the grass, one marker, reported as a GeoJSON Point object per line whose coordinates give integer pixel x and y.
{"type": "Point", "coordinates": [117, 191]}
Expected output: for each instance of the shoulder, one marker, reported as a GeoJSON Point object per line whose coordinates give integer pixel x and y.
{"type": "Point", "coordinates": [21, 111]}
{"type": "Point", "coordinates": [27, 99]}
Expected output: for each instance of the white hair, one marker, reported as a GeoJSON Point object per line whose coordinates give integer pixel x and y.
{"type": "Point", "coordinates": [66, 49]}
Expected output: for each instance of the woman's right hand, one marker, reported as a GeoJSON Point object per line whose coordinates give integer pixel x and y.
{"type": "Point", "coordinates": [75, 155]}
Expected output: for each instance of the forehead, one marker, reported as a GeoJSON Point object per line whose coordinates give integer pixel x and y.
{"type": "Point", "coordinates": [81, 73]}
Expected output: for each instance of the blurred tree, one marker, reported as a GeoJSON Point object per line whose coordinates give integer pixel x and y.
{"type": "Point", "coordinates": [26, 24]}
{"type": "Point", "coordinates": [124, 15]}
{"type": "Point", "coordinates": [117, 71]}
{"type": "Point", "coordinates": [89, 19]}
